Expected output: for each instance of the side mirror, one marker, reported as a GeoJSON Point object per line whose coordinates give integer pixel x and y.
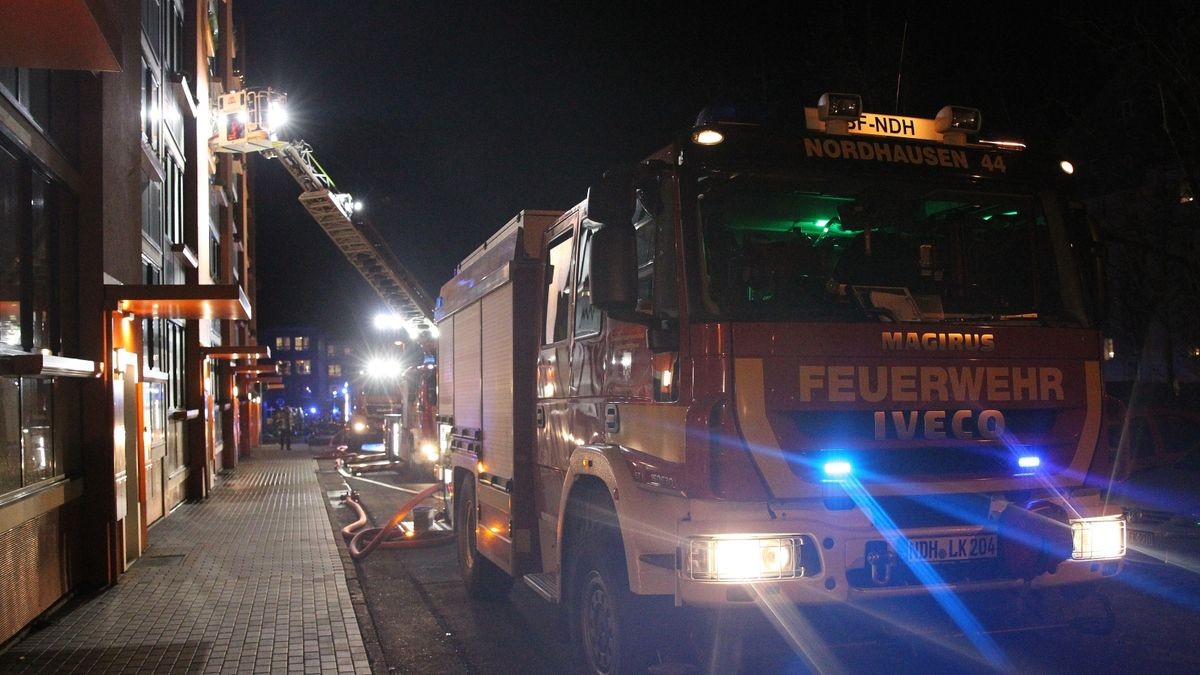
{"type": "Point", "coordinates": [614, 271]}
{"type": "Point", "coordinates": [614, 246]}
{"type": "Point", "coordinates": [610, 200]}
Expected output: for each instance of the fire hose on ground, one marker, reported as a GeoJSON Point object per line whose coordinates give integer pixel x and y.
{"type": "Point", "coordinates": [396, 534]}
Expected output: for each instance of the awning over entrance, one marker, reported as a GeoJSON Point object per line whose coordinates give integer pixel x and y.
{"type": "Point", "coordinates": [59, 34]}
{"type": "Point", "coordinates": [237, 352]}
{"type": "Point", "coordinates": [179, 301]}
{"type": "Point", "coordinates": [44, 365]}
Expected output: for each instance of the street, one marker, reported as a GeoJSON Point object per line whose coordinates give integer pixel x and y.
{"type": "Point", "coordinates": [425, 623]}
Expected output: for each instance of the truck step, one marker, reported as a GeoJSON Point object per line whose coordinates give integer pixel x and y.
{"type": "Point", "coordinates": [544, 584]}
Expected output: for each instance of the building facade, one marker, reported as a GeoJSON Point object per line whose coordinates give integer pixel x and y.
{"type": "Point", "coordinates": [299, 353]}
{"type": "Point", "coordinates": [129, 363]}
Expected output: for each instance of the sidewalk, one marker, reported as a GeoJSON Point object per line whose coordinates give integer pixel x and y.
{"type": "Point", "coordinates": [248, 581]}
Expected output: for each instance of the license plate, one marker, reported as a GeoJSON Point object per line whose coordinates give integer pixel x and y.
{"type": "Point", "coordinates": [950, 549]}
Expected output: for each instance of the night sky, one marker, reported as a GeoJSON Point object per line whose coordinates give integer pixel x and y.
{"type": "Point", "coordinates": [447, 118]}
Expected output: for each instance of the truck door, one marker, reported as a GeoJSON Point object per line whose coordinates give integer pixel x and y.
{"type": "Point", "coordinates": [554, 372]}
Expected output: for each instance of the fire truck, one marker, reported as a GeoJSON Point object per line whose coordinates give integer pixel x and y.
{"type": "Point", "coordinates": [846, 357]}
{"type": "Point", "coordinates": [396, 411]}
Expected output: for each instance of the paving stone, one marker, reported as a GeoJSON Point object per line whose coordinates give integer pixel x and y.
{"type": "Point", "coordinates": [249, 580]}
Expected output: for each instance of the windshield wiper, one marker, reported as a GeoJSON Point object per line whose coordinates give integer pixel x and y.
{"type": "Point", "coordinates": [963, 318]}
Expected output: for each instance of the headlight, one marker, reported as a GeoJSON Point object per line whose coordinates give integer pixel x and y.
{"type": "Point", "coordinates": [429, 451]}
{"type": "Point", "coordinates": [743, 558]}
{"type": "Point", "coordinates": [1098, 538]}
{"type": "Point", "coordinates": [360, 427]}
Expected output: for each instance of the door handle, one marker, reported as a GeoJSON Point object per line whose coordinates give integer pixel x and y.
{"type": "Point", "coordinates": [541, 417]}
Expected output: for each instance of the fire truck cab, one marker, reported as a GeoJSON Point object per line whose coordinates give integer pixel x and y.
{"type": "Point", "coordinates": [847, 359]}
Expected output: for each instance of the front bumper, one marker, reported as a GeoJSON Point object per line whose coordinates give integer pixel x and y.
{"type": "Point", "coordinates": [1165, 543]}
{"type": "Point", "coordinates": [841, 556]}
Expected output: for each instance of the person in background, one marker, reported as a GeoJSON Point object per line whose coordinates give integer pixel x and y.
{"type": "Point", "coordinates": [285, 429]}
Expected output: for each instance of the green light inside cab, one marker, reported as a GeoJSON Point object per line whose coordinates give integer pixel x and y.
{"type": "Point", "coordinates": [809, 214]}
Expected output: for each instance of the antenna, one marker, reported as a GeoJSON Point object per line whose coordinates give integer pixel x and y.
{"type": "Point", "coordinates": [900, 66]}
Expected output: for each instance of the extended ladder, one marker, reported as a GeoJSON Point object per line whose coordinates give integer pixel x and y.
{"type": "Point", "coordinates": [246, 121]}
{"type": "Point", "coordinates": [359, 242]}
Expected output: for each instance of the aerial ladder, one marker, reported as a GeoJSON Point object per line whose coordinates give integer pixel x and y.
{"type": "Point", "coordinates": [250, 120]}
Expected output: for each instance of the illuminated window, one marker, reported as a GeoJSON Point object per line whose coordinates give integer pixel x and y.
{"type": "Point", "coordinates": [283, 344]}
{"type": "Point", "coordinates": [285, 367]}
{"type": "Point", "coordinates": [334, 370]}
{"type": "Point", "coordinates": [303, 367]}
{"type": "Point", "coordinates": [301, 343]}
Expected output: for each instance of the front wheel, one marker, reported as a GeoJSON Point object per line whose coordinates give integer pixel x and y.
{"type": "Point", "coordinates": [613, 623]}
{"type": "Point", "coordinates": [483, 579]}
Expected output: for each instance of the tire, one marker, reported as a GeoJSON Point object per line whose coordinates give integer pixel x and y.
{"type": "Point", "coordinates": [613, 626]}
{"type": "Point", "coordinates": [483, 579]}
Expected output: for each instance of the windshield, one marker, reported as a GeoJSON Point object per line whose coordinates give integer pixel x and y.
{"type": "Point", "coordinates": [788, 249]}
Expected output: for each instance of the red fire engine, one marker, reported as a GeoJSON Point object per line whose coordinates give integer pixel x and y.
{"type": "Point", "coordinates": [847, 359]}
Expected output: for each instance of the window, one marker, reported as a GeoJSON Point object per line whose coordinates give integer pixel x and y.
{"type": "Point", "coordinates": [214, 256]}
{"type": "Point", "coordinates": [152, 212]}
{"type": "Point", "coordinates": [43, 288]}
{"type": "Point", "coordinates": [177, 452]}
{"type": "Point", "coordinates": [303, 367]}
{"type": "Point", "coordinates": [331, 350]}
{"type": "Point", "coordinates": [173, 270]}
{"type": "Point", "coordinates": [12, 212]}
{"type": "Point", "coordinates": [173, 207]}
{"type": "Point", "coordinates": [334, 370]}
{"type": "Point", "coordinates": [587, 317]}
{"type": "Point", "coordinates": [285, 367]}
{"type": "Point", "coordinates": [50, 98]}
{"type": "Point", "coordinates": [153, 343]}
{"type": "Point", "coordinates": [33, 211]}
{"type": "Point", "coordinates": [27, 451]}
{"type": "Point", "coordinates": [283, 344]}
{"type": "Point", "coordinates": [151, 107]}
{"type": "Point", "coordinates": [772, 247]}
{"type": "Point", "coordinates": [214, 385]}
{"type": "Point", "coordinates": [152, 22]}
{"type": "Point", "coordinates": [11, 477]}
{"type": "Point", "coordinates": [558, 291]}
{"type": "Point", "coordinates": [300, 343]}
{"type": "Point", "coordinates": [645, 244]}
